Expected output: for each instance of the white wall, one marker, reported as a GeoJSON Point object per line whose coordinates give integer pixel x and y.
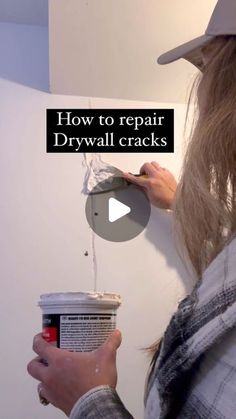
{"type": "Point", "coordinates": [44, 235]}
{"type": "Point", "coordinates": [30, 12]}
{"type": "Point", "coordinates": [24, 52]}
{"type": "Point", "coordinates": [108, 48]}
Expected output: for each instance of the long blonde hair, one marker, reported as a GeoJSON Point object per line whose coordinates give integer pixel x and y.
{"type": "Point", "coordinates": [205, 202]}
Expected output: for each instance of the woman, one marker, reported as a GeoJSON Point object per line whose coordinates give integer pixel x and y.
{"type": "Point", "coordinates": [193, 373]}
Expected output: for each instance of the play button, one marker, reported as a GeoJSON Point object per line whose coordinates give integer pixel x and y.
{"type": "Point", "coordinates": [117, 210]}
{"type": "Point", "coordinates": [117, 215]}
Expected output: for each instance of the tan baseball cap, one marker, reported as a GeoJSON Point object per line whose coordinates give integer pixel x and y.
{"type": "Point", "coordinates": [222, 22]}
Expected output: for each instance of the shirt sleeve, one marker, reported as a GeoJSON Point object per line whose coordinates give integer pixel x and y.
{"type": "Point", "coordinates": [101, 402]}
{"type": "Point", "coordinates": [213, 390]}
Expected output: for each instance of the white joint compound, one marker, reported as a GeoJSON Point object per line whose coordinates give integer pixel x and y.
{"type": "Point", "coordinates": [79, 321]}
{"type": "Point", "coordinates": [97, 172]}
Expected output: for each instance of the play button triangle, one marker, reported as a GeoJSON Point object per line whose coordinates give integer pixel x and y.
{"type": "Point", "coordinates": [117, 210]}
{"type": "Point", "coordinates": [117, 215]}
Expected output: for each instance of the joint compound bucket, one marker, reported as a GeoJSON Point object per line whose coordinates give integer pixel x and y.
{"type": "Point", "coordinates": [78, 321]}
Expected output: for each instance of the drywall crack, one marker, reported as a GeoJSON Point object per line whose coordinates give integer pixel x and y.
{"type": "Point", "coordinates": [95, 265]}
{"type": "Point", "coordinates": [87, 161]}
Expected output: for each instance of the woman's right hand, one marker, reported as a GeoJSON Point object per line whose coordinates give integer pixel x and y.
{"type": "Point", "coordinates": [67, 376]}
{"type": "Point", "coordinates": [159, 184]}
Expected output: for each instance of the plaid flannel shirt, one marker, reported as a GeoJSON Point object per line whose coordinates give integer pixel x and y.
{"type": "Point", "coordinates": [194, 373]}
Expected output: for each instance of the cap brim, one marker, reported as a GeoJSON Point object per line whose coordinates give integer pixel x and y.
{"type": "Point", "coordinates": [191, 51]}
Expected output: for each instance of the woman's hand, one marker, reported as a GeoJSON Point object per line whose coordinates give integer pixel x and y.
{"type": "Point", "coordinates": [159, 184]}
{"type": "Point", "coordinates": [69, 375]}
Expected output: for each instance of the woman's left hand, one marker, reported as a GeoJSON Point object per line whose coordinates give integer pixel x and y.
{"type": "Point", "coordinates": [69, 375]}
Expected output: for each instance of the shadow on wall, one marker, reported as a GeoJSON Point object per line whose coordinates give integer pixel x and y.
{"type": "Point", "coordinates": [159, 232]}
{"type": "Point", "coordinates": [24, 55]}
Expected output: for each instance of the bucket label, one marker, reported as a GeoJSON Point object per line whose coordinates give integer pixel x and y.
{"type": "Point", "coordinates": [81, 332]}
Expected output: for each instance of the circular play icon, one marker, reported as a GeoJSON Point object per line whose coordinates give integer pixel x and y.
{"type": "Point", "coordinates": [116, 210]}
